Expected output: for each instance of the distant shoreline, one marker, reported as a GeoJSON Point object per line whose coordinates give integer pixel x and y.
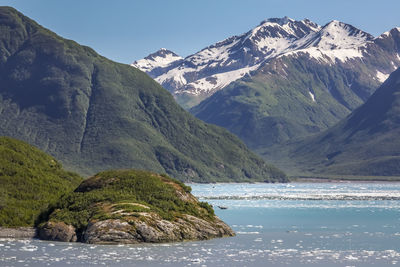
{"type": "Point", "coordinates": [344, 180]}
{"type": "Point", "coordinates": [18, 232]}
{"type": "Point", "coordinates": [297, 179]}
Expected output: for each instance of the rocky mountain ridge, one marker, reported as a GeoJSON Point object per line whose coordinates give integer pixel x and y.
{"type": "Point", "coordinates": [198, 76]}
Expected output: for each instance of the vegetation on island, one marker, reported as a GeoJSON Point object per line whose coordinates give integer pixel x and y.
{"type": "Point", "coordinates": [116, 206]}
{"type": "Point", "coordinates": [127, 195]}
{"type": "Point", "coordinates": [30, 181]}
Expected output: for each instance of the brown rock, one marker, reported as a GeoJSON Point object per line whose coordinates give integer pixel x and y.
{"type": "Point", "coordinates": [151, 228]}
{"type": "Point", "coordinates": [58, 231]}
{"type": "Point", "coordinates": [110, 232]}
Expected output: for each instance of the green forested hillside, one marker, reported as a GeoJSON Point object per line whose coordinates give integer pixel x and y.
{"type": "Point", "coordinates": [365, 143]}
{"type": "Point", "coordinates": [30, 181]}
{"type": "Point", "coordinates": [94, 114]}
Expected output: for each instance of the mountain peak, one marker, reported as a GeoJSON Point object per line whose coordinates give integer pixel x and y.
{"type": "Point", "coordinates": [340, 35]}
{"type": "Point", "coordinates": [394, 31]}
{"type": "Point", "coordinates": [159, 59]}
{"type": "Point", "coordinates": [282, 28]}
{"type": "Point", "coordinates": [162, 52]}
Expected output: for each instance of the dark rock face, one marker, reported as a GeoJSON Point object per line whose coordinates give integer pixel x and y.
{"type": "Point", "coordinates": [58, 232]}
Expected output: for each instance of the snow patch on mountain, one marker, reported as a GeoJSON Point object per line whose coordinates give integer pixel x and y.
{"type": "Point", "coordinates": [215, 82]}
{"type": "Point", "coordinates": [274, 37]}
{"type": "Point", "coordinates": [338, 35]}
{"type": "Point", "coordinates": [218, 54]}
{"type": "Point", "coordinates": [175, 76]}
{"type": "Point", "coordinates": [312, 96]}
{"type": "Point", "coordinates": [335, 41]}
{"type": "Point", "coordinates": [381, 76]}
{"type": "Point", "coordinates": [328, 56]}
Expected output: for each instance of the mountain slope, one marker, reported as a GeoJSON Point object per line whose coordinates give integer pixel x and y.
{"type": "Point", "coordinates": [30, 181]}
{"type": "Point", "coordinates": [304, 91]}
{"type": "Point", "coordinates": [94, 114]}
{"type": "Point", "coordinates": [364, 143]}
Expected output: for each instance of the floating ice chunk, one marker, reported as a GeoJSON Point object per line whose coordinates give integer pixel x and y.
{"type": "Point", "coordinates": [351, 258]}
{"type": "Point", "coordinates": [28, 248]}
{"type": "Point", "coordinates": [248, 233]}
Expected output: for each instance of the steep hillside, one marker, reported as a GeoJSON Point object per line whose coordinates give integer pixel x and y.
{"type": "Point", "coordinates": [30, 181]}
{"type": "Point", "coordinates": [364, 143]}
{"type": "Point", "coordinates": [94, 114]}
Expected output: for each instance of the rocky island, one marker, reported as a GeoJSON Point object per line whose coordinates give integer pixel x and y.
{"type": "Point", "coordinates": [112, 207]}
{"type": "Point", "coordinates": [131, 206]}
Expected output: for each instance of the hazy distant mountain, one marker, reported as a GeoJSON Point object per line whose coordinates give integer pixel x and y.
{"type": "Point", "coordinates": [364, 143]}
{"type": "Point", "coordinates": [95, 114]}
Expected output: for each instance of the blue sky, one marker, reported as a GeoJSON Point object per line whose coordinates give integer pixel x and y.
{"type": "Point", "coordinates": [125, 30]}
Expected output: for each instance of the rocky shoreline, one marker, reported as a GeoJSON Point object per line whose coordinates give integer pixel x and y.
{"type": "Point", "coordinates": [113, 233]}
{"type": "Point", "coordinates": [19, 232]}
{"type": "Point", "coordinates": [152, 230]}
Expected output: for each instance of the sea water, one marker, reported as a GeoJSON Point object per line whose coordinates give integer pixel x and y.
{"type": "Point", "coordinates": [299, 224]}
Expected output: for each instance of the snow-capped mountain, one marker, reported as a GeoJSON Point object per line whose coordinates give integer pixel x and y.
{"type": "Point", "coordinates": [311, 85]}
{"type": "Point", "coordinates": [157, 61]}
{"type": "Point", "coordinates": [282, 80]}
{"type": "Point", "coordinates": [200, 75]}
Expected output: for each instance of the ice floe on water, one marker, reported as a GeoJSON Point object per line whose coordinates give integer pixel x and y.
{"type": "Point", "coordinates": [341, 191]}
{"type": "Point", "coordinates": [210, 253]}
{"type": "Point", "coordinates": [347, 195]}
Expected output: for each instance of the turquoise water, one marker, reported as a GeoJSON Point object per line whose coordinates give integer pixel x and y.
{"type": "Point", "coordinates": [276, 224]}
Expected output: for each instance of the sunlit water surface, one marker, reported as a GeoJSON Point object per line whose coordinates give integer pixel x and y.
{"type": "Point", "coordinates": [343, 224]}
